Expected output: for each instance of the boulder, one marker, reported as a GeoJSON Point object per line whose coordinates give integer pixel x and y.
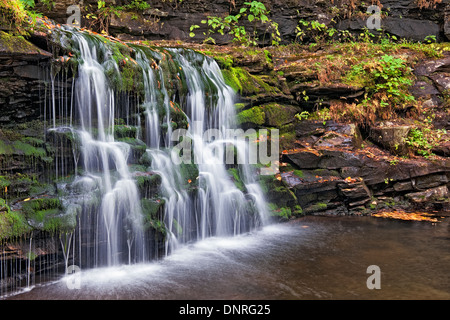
{"type": "Point", "coordinates": [412, 29]}
{"type": "Point", "coordinates": [277, 115]}
{"type": "Point", "coordinates": [439, 193]}
{"type": "Point", "coordinates": [390, 137]}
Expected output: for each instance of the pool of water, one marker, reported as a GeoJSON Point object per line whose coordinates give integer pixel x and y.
{"type": "Point", "coordinates": [309, 258]}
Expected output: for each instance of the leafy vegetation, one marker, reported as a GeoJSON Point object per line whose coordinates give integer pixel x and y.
{"type": "Point", "coordinates": [99, 17]}
{"type": "Point", "coordinates": [424, 139]}
{"type": "Point", "coordinates": [18, 15]}
{"type": "Point", "coordinates": [256, 14]}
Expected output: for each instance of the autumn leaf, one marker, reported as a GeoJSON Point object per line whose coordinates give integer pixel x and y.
{"type": "Point", "coordinates": [408, 216]}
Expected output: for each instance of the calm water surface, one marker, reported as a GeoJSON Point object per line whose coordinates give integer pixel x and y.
{"type": "Point", "coordinates": [310, 258]}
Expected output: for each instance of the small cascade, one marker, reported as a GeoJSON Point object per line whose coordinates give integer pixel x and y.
{"type": "Point", "coordinates": [145, 159]}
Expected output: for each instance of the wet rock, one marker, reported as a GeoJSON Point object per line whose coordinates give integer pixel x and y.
{"type": "Point", "coordinates": [442, 149]}
{"type": "Point", "coordinates": [442, 81]}
{"type": "Point", "coordinates": [447, 21]}
{"type": "Point", "coordinates": [334, 139]}
{"type": "Point", "coordinates": [403, 186]}
{"type": "Point", "coordinates": [355, 192]}
{"type": "Point", "coordinates": [336, 159]}
{"type": "Point", "coordinates": [304, 159]}
{"type": "Point", "coordinates": [324, 93]}
{"type": "Point", "coordinates": [439, 193]}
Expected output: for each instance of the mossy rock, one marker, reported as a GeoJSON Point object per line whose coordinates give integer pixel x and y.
{"type": "Point", "coordinates": [48, 214]}
{"type": "Point", "coordinates": [12, 223]}
{"type": "Point", "coordinates": [147, 183]}
{"type": "Point", "coordinates": [276, 192]}
{"type": "Point", "coordinates": [124, 131]}
{"type": "Point", "coordinates": [251, 117]}
{"type": "Point", "coordinates": [138, 148]}
{"type": "Point", "coordinates": [284, 213]}
{"type": "Point", "coordinates": [278, 115]}
{"type": "Point", "coordinates": [236, 177]}
{"type": "Point", "coordinates": [152, 210]}
{"type": "Point", "coordinates": [247, 84]}
{"type": "Point", "coordinates": [18, 46]}
{"type": "Point", "coordinates": [189, 175]}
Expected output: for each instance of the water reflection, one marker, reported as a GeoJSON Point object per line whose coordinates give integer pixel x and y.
{"type": "Point", "coordinates": [310, 258]}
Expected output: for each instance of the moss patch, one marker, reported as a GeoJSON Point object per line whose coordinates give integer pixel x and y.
{"type": "Point", "coordinates": [12, 223]}
{"type": "Point", "coordinates": [254, 115]}
{"type": "Point", "coordinates": [48, 214]}
{"type": "Point", "coordinates": [152, 212]}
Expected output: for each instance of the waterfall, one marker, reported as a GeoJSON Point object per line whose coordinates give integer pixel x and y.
{"type": "Point", "coordinates": [149, 133]}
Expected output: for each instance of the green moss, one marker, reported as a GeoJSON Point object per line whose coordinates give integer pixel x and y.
{"type": "Point", "coordinates": [12, 223]}
{"type": "Point", "coordinates": [48, 214]}
{"type": "Point", "coordinates": [5, 149]}
{"type": "Point", "coordinates": [245, 83]}
{"type": "Point", "coordinates": [254, 115]}
{"type": "Point", "coordinates": [234, 172]}
{"type": "Point", "coordinates": [28, 150]}
{"type": "Point", "coordinates": [152, 212]}
{"type": "Point", "coordinates": [15, 44]}
{"type": "Point", "coordinates": [189, 174]}
{"type": "Point", "coordinates": [124, 131]}
{"type": "Point", "coordinates": [316, 207]}
{"type": "Point", "coordinates": [284, 213]}
{"type": "Point", "coordinates": [146, 181]}
{"type": "Point", "coordinates": [299, 173]}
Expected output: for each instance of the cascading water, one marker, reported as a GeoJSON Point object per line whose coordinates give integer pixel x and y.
{"type": "Point", "coordinates": [131, 197]}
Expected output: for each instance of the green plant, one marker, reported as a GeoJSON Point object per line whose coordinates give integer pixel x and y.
{"type": "Point", "coordinates": [392, 77]}
{"type": "Point", "coordinates": [18, 15]}
{"type": "Point", "coordinates": [302, 116]}
{"type": "Point", "coordinates": [191, 29]}
{"type": "Point", "coordinates": [430, 39]}
{"type": "Point", "coordinates": [424, 139]}
{"type": "Point", "coordinates": [387, 80]}
{"type": "Point", "coordinates": [50, 4]}
{"type": "Point", "coordinates": [255, 12]}
{"type": "Point", "coordinates": [100, 16]}
{"type": "Point", "coordinates": [316, 32]}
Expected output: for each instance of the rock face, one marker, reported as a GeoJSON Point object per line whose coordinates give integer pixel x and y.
{"type": "Point", "coordinates": [171, 20]}
{"type": "Point", "coordinates": [447, 21]}
{"type": "Point", "coordinates": [21, 78]}
{"type": "Point", "coordinates": [340, 180]}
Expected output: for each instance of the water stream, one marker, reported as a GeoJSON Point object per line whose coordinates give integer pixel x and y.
{"type": "Point", "coordinates": [150, 225]}
{"type": "Point", "coordinates": [310, 258]}
{"type": "Point", "coordinates": [132, 189]}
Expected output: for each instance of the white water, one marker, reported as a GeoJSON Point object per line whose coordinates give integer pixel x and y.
{"type": "Point", "coordinates": [215, 206]}
{"type": "Point", "coordinates": [99, 188]}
